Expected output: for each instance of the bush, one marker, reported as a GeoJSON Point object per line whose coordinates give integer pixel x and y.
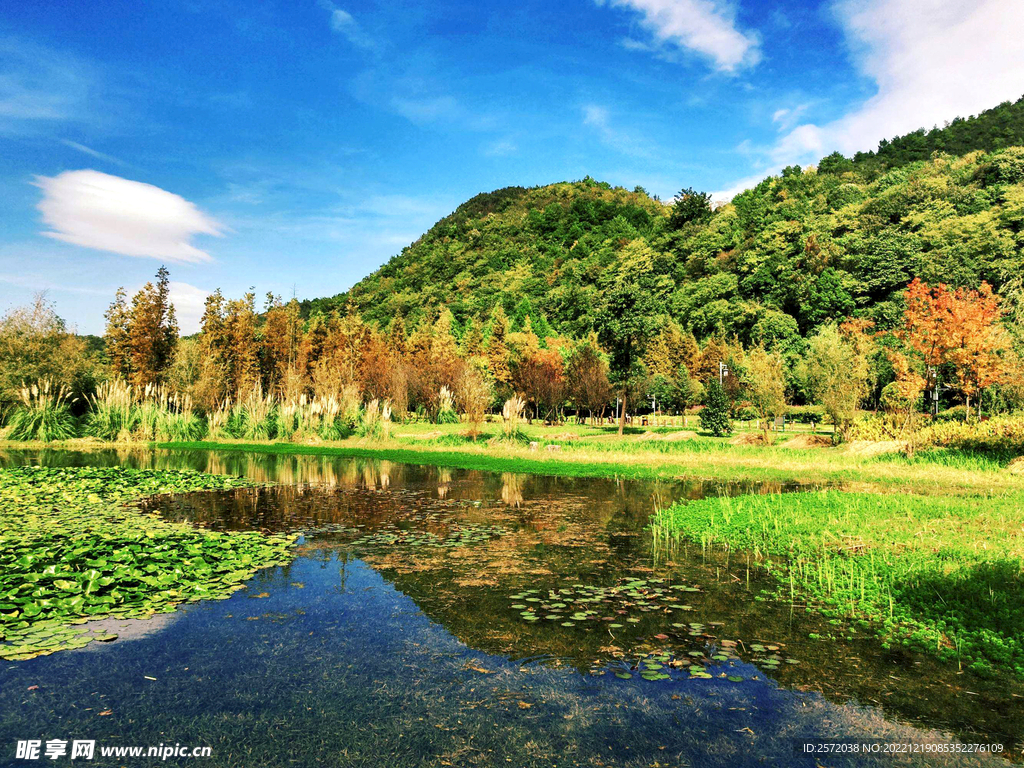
{"type": "Point", "coordinates": [714, 416]}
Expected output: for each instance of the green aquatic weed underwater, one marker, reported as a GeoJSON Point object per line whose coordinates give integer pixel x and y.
{"type": "Point", "coordinates": [73, 548]}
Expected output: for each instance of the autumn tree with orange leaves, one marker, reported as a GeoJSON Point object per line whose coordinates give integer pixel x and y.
{"type": "Point", "coordinates": [962, 328]}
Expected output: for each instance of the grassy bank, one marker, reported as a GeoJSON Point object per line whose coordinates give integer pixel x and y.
{"type": "Point", "coordinates": [661, 454]}
{"type": "Point", "coordinates": [940, 574]}
{"type": "Point", "coordinates": [72, 548]}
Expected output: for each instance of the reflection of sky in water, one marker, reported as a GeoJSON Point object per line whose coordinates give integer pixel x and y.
{"type": "Point", "coordinates": [345, 670]}
{"type": "Point", "coordinates": [337, 667]}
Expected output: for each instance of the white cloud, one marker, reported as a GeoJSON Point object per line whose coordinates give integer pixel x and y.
{"type": "Point", "coordinates": [346, 26]}
{"type": "Point", "coordinates": [706, 27]}
{"type": "Point", "coordinates": [931, 61]}
{"type": "Point", "coordinates": [108, 213]}
{"type": "Point", "coordinates": [189, 304]}
{"type": "Point", "coordinates": [426, 110]}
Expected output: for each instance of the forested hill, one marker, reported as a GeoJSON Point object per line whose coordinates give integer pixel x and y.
{"type": "Point", "coordinates": [799, 249]}
{"type": "Point", "coordinates": [996, 128]}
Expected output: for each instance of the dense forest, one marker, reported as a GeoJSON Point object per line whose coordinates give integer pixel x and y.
{"type": "Point", "coordinates": [801, 248]}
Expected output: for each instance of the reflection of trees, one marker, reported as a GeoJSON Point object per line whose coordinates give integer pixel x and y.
{"type": "Point", "coordinates": [511, 489]}
{"type": "Point", "coordinates": [444, 481]}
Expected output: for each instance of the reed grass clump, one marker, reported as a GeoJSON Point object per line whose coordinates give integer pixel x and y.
{"type": "Point", "coordinates": [375, 421]}
{"type": "Point", "coordinates": [446, 407]}
{"type": "Point", "coordinates": [112, 412]}
{"type": "Point", "coordinates": [43, 413]}
{"type": "Point", "coordinates": [512, 420]}
{"type": "Point", "coordinates": [119, 412]}
{"type": "Point", "coordinates": [254, 417]}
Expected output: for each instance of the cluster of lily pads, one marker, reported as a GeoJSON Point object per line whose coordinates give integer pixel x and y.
{"type": "Point", "coordinates": [456, 536]}
{"type": "Point", "coordinates": [616, 607]}
{"type": "Point", "coordinates": [72, 549]}
{"type": "Point", "coordinates": [612, 604]}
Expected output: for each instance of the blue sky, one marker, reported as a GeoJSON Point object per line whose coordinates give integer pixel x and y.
{"type": "Point", "coordinates": [295, 145]}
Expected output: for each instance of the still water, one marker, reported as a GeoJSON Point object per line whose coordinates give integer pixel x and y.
{"type": "Point", "coordinates": [442, 617]}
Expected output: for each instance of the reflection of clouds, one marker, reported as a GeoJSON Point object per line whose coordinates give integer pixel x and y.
{"type": "Point", "coordinates": [129, 629]}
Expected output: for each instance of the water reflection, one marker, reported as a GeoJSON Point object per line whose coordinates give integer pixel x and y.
{"type": "Point", "coordinates": [379, 620]}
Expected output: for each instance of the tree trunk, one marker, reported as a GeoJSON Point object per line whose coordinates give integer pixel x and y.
{"type": "Point", "coordinates": [622, 416]}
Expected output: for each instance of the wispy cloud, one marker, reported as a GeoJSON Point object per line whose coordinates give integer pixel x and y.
{"type": "Point", "coordinates": [931, 61]}
{"type": "Point", "coordinates": [108, 213]}
{"type": "Point", "coordinates": [92, 152]}
{"type": "Point", "coordinates": [599, 119]}
{"type": "Point", "coordinates": [345, 25]}
{"type": "Point", "coordinates": [39, 284]}
{"type": "Point", "coordinates": [40, 86]}
{"type": "Point", "coordinates": [704, 27]}
{"type": "Point", "coordinates": [500, 148]}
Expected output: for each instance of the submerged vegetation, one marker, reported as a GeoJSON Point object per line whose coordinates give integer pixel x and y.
{"type": "Point", "coordinates": [72, 549]}
{"type": "Point", "coordinates": [936, 573]}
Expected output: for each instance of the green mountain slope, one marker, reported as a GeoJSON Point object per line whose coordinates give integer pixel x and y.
{"type": "Point", "coordinates": [993, 129]}
{"type": "Point", "coordinates": [801, 248]}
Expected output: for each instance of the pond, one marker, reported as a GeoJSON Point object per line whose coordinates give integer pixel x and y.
{"type": "Point", "coordinates": [441, 617]}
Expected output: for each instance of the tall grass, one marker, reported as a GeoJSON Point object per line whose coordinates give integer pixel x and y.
{"type": "Point", "coordinates": [446, 407]}
{"type": "Point", "coordinates": [112, 412]}
{"type": "Point", "coordinates": [512, 420]}
{"type": "Point", "coordinates": [43, 413]}
{"type": "Point", "coordinates": [254, 417]}
{"type": "Point", "coordinates": [940, 574]}
{"type": "Point", "coordinates": [119, 412]}
{"type": "Point", "coordinates": [375, 421]}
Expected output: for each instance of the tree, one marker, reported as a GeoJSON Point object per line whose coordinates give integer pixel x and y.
{"type": "Point", "coordinates": [587, 384]}
{"type": "Point", "coordinates": [688, 391]}
{"type": "Point", "coordinates": [901, 398]}
{"type": "Point", "coordinates": [116, 335]}
{"type": "Point", "coordinates": [980, 342]}
{"type": "Point", "coordinates": [473, 394]}
{"type": "Point", "coordinates": [36, 345]}
{"type": "Point", "coordinates": [627, 319]}
{"type": "Point", "coordinates": [241, 350]}
{"type": "Point", "coordinates": [765, 383]}
{"type": "Point", "coordinates": [837, 375]}
{"type": "Point", "coordinates": [210, 388]}
{"type": "Point", "coordinates": [540, 378]}
{"type": "Point", "coordinates": [835, 163]}
{"type": "Point", "coordinates": [141, 337]}
{"type": "Point", "coordinates": [690, 207]}
{"type": "Point", "coordinates": [959, 327]}
{"type": "Point", "coordinates": [496, 348]}
{"type": "Point", "coordinates": [714, 416]}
